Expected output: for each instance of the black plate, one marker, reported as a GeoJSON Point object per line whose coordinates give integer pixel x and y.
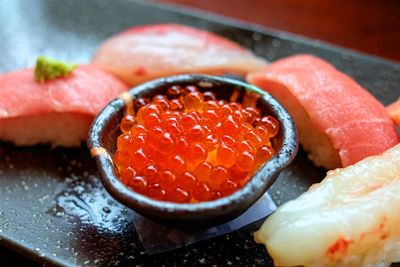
{"type": "Point", "coordinates": [53, 208]}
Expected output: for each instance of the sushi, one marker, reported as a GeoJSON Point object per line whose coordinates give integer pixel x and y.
{"type": "Point", "coordinates": [57, 111]}
{"type": "Point", "coordinates": [351, 218]}
{"type": "Point", "coordinates": [339, 122]}
{"type": "Point", "coordinates": [142, 53]}
{"type": "Point", "coordinates": [394, 111]}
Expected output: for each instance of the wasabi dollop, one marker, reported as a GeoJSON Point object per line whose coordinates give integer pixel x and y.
{"type": "Point", "coordinates": [50, 69]}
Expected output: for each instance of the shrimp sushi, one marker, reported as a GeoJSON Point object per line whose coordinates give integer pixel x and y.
{"type": "Point", "coordinates": [394, 111]}
{"type": "Point", "coordinates": [143, 53]}
{"type": "Point", "coordinates": [57, 111]}
{"type": "Point", "coordinates": [351, 218]}
{"type": "Point", "coordinates": [339, 122]}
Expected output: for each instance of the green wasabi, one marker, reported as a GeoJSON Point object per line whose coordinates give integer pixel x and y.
{"type": "Point", "coordinates": [50, 69]}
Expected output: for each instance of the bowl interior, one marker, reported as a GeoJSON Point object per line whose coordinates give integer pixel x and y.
{"type": "Point", "coordinates": [105, 130]}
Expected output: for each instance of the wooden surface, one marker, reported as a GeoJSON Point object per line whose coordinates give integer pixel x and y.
{"type": "Point", "coordinates": [369, 26]}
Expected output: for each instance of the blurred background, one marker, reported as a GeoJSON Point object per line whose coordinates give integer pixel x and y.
{"type": "Point", "coordinates": [368, 26]}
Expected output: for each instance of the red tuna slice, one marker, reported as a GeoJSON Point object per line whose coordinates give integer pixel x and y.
{"type": "Point", "coordinates": [142, 53]}
{"type": "Point", "coordinates": [339, 122]}
{"type": "Point", "coordinates": [57, 111]}
{"type": "Point", "coordinates": [394, 111]}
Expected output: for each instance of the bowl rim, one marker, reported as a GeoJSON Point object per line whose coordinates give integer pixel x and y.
{"type": "Point", "coordinates": [128, 197]}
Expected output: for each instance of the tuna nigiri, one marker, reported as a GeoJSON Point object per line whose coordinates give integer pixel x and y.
{"type": "Point", "coordinates": [339, 122]}
{"type": "Point", "coordinates": [394, 111]}
{"type": "Point", "coordinates": [57, 111]}
{"type": "Point", "coordinates": [351, 218]}
{"type": "Point", "coordinates": [142, 53]}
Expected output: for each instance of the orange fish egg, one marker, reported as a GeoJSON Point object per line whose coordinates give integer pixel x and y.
{"type": "Point", "coordinates": [218, 175]}
{"type": "Point", "coordinates": [126, 123]}
{"type": "Point", "coordinates": [211, 104]}
{"type": "Point", "coordinates": [193, 101]}
{"type": "Point", "coordinates": [228, 187]}
{"type": "Point", "coordinates": [187, 146]}
{"type": "Point", "coordinates": [271, 124]}
{"type": "Point", "coordinates": [211, 142]}
{"type": "Point", "coordinates": [122, 141]}
{"type": "Point", "coordinates": [203, 171]}
{"type": "Point", "coordinates": [174, 91]}
{"type": "Point", "coordinates": [246, 161]}
{"type": "Point", "coordinates": [187, 181]}
{"type": "Point", "coordinates": [179, 195]}
{"type": "Point", "coordinates": [202, 192]}
{"type": "Point", "coordinates": [138, 184]}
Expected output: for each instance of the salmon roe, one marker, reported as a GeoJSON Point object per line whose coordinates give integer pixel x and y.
{"type": "Point", "coordinates": [187, 146]}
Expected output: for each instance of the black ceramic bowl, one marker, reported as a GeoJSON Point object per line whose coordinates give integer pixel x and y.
{"type": "Point", "coordinates": [105, 130]}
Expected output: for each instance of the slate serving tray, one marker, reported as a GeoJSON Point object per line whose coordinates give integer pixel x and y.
{"type": "Point", "coordinates": [53, 209]}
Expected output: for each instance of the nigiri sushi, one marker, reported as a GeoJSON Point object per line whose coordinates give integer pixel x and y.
{"type": "Point", "coordinates": [142, 53]}
{"type": "Point", "coordinates": [394, 111]}
{"type": "Point", "coordinates": [339, 122]}
{"type": "Point", "coordinates": [351, 218]}
{"type": "Point", "coordinates": [57, 111]}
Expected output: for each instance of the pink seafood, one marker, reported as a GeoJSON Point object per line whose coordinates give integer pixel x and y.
{"type": "Point", "coordinates": [339, 122]}
{"type": "Point", "coordinates": [142, 53]}
{"type": "Point", "coordinates": [57, 111]}
{"type": "Point", "coordinates": [351, 218]}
